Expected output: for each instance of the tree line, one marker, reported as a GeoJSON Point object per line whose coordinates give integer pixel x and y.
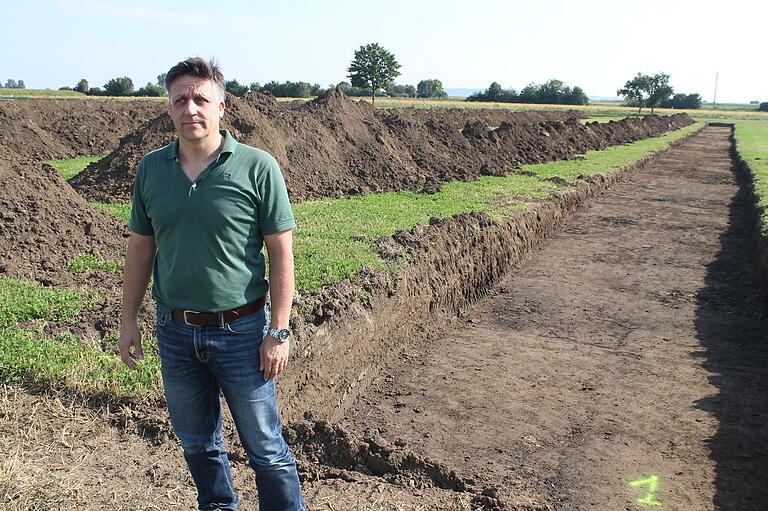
{"type": "Point", "coordinates": [13, 84]}
{"type": "Point", "coordinates": [552, 92]}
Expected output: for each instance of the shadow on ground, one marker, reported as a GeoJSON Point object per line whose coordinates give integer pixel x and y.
{"type": "Point", "coordinates": [732, 327]}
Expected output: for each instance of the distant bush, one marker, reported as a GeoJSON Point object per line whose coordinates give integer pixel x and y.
{"type": "Point", "coordinates": [552, 92]}
{"type": "Point", "coordinates": [430, 89]}
{"type": "Point", "coordinates": [347, 88]}
{"type": "Point", "coordinates": [402, 91]}
{"type": "Point", "coordinates": [235, 88]}
{"type": "Point", "coordinates": [763, 107]}
{"type": "Point", "coordinates": [152, 90]}
{"type": "Point", "coordinates": [688, 101]}
{"type": "Point", "coordinates": [122, 86]}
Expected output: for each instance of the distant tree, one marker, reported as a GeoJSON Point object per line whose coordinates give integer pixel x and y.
{"type": "Point", "coordinates": [255, 87]}
{"type": "Point", "coordinates": [119, 87]}
{"type": "Point", "coordinates": [95, 91]}
{"type": "Point", "coordinates": [373, 68]}
{"type": "Point", "coordinates": [234, 88]}
{"type": "Point", "coordinates": [659, 90]}
{"type": "Point", "coordinates": [430, 89]}
{"type": "Point", "coordinates": [763, 107]}
{"type": "Point", "coordinates": [634, 91]}
{"type": "Point", "coordinates": [20, 84]}
{"type": "Point", "coordinates": [151, 89]}
{"type": "Point", "coordinates": [65, 88]}
{"type": "Point", "coordinates": [161, 79]}
{"type": "Point", "coordinates": [316, 90]}
{"type": "Point", "coordinates": [10, 83]}
{"type": "Point", "coordinates": [82, 86]}
{"type": "Point", "coordinates": [646, 90]}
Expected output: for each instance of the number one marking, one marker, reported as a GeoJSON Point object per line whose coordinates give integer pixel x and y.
{"type": "Point", "coordinates": [653, 484]}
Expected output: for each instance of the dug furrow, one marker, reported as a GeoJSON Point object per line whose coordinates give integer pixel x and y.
{"type": "Point", "coordinates": [623, 366]}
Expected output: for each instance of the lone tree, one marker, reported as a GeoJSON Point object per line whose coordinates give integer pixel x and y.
{"type": "Point", "coordinates": [647, 90]}
{"type": "Point", "coordinates": [373, 68]}
{"type": "Point", "coordinates": [430, 89]}
{"type": "Point", "coordinates": [122, 86]}
{"type": "Point", "coordinates": [82, 86]}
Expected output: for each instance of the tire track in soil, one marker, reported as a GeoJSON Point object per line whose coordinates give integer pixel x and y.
{"type": "Point", "coordinates": [632, 344]}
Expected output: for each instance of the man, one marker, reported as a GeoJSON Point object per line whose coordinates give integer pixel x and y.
{"type": "Point", "coordinates": [203, 207]}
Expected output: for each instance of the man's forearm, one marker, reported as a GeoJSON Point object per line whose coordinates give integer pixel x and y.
{"type": "Point", "coordinates": [138, 270]}
{"type": "Point", "coordinates": [281, 279]}
{"type": "Point", "coordinates": [281, 284]}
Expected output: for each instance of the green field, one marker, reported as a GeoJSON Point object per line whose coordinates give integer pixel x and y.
{"type": "Point", "coordinates": [39, 93]}
{"type": "Point", "coordinates": [752, 144]}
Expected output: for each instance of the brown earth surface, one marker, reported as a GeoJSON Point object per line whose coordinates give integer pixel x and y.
{"type": "Point", "coordinates": [632, 344]}
{"type": "Point", "coordinates": [333, 146]}
{"type": "Point", "coordinates": [51, 129]}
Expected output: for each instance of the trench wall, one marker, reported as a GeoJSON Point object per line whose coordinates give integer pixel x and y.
{"type": "Point", "coordinates": [347, 333]}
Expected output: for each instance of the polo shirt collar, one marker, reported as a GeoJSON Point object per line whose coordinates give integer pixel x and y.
{"type": "Point", "coordinates": [229, 147]}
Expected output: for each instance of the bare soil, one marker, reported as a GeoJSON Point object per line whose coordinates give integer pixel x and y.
{"type": "Point", "coordinates": [333, 146]}
{"type": "Point", "coordinates": [632, 344]}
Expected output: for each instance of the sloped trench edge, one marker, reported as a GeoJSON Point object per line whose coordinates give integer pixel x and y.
{"type": "Point", "coordinates": [349, 333]}
{"type": "Point", "coordinates": [746, 176]}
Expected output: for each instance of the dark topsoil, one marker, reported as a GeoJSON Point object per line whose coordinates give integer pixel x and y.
{"type": "Point", "coordinates": [333, 146]}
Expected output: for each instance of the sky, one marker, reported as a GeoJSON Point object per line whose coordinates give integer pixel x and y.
{"type": "Point", "coordinates": [596, 45]}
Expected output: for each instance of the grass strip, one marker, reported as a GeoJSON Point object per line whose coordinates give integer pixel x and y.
{"type": "Point", "coordinates": [21, 300]}
{"type": "Point", "coordinates": [26, 355]}
{"type": "Point", "coordinates": [93, 261]}
{"type": "Point", "coordinates": [752, 143]}
{"type": "Point", "coordinates": [70, 168]}
{"type": "Point", "coordinates": [607, 160]}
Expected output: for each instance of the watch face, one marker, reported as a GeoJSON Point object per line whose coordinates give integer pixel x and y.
{"type": "Point", "coordinates": [283, 334]}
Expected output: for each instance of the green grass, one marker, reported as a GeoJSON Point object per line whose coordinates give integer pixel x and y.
{"type": "Point", "coordinates": [607, 160]}
{"type": "Point", "coordinates": [119, 210]}
{"type": "Point", "coordinates": [92, 261]}
{"type": "Point", "coordinates": [752, 143]}
{"type": "Point", "coordinates": [336, 237]}
{"type": "Point", "coordinates": [21, 301]}
{"type": "Point", "coordinates": [70, 168]}
{"type": "Point", "coordinates": [64, 360]}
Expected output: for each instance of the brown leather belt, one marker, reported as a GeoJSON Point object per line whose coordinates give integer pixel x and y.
{"type": "Point", "coordinates": [194, 318]}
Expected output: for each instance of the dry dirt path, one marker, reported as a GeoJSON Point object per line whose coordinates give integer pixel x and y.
{"type": "Point", "coordinates": [630, 346]}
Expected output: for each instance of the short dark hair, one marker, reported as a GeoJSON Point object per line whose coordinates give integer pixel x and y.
{"type": "Point", "coordinates": [201, 68]}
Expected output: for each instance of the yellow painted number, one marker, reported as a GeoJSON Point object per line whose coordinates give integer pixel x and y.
{"type": "Point", "coordinates": [652, 483]}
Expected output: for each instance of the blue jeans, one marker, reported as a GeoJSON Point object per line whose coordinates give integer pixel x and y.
{"type": "Point", "coordinates": [197, 363]}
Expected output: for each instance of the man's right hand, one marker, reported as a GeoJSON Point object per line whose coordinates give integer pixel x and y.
{"type": "Point", "coordinates": [130, 344]}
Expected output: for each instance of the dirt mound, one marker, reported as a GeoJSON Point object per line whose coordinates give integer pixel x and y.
{"type": "Point", "coordinates": [333, 146]}
{"type": "Point", "coordinates": [44, 223]}
{"type": "Point", "coordinates": [46, 129]}
{"type": "Point", "coordinates": [491, 116]}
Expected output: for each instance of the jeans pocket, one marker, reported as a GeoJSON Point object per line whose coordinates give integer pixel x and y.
{"type": "Point", "coordinates": [162, 316]}
{"type": "Point", "coordinates": [249, 324]}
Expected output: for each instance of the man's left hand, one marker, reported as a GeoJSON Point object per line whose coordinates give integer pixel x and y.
{"type": "Point", "coordinates": [273, 357]}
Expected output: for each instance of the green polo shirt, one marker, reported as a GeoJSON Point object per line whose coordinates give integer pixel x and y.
{"type": "Point", "coordinates": [209, 233]}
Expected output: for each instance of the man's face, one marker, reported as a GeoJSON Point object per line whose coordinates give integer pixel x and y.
{"type": "Point", "coordinates": [195, 107]}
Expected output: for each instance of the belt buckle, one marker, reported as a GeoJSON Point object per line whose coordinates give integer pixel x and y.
{"type": "Point", "coordinates": [185, 316]}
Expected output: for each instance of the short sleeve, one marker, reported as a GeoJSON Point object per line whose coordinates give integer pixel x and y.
{"type": "Point", "coordinates": [140, 222]}
{"type": "Point", "coordinates": [275, 214]}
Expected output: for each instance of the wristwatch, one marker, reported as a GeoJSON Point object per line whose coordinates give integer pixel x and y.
{"type": "Point", "coordinates": [281, 334]}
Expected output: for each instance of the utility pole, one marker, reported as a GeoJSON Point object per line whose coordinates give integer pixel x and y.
{"type": "Point", "coordinates": [714, 100]}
